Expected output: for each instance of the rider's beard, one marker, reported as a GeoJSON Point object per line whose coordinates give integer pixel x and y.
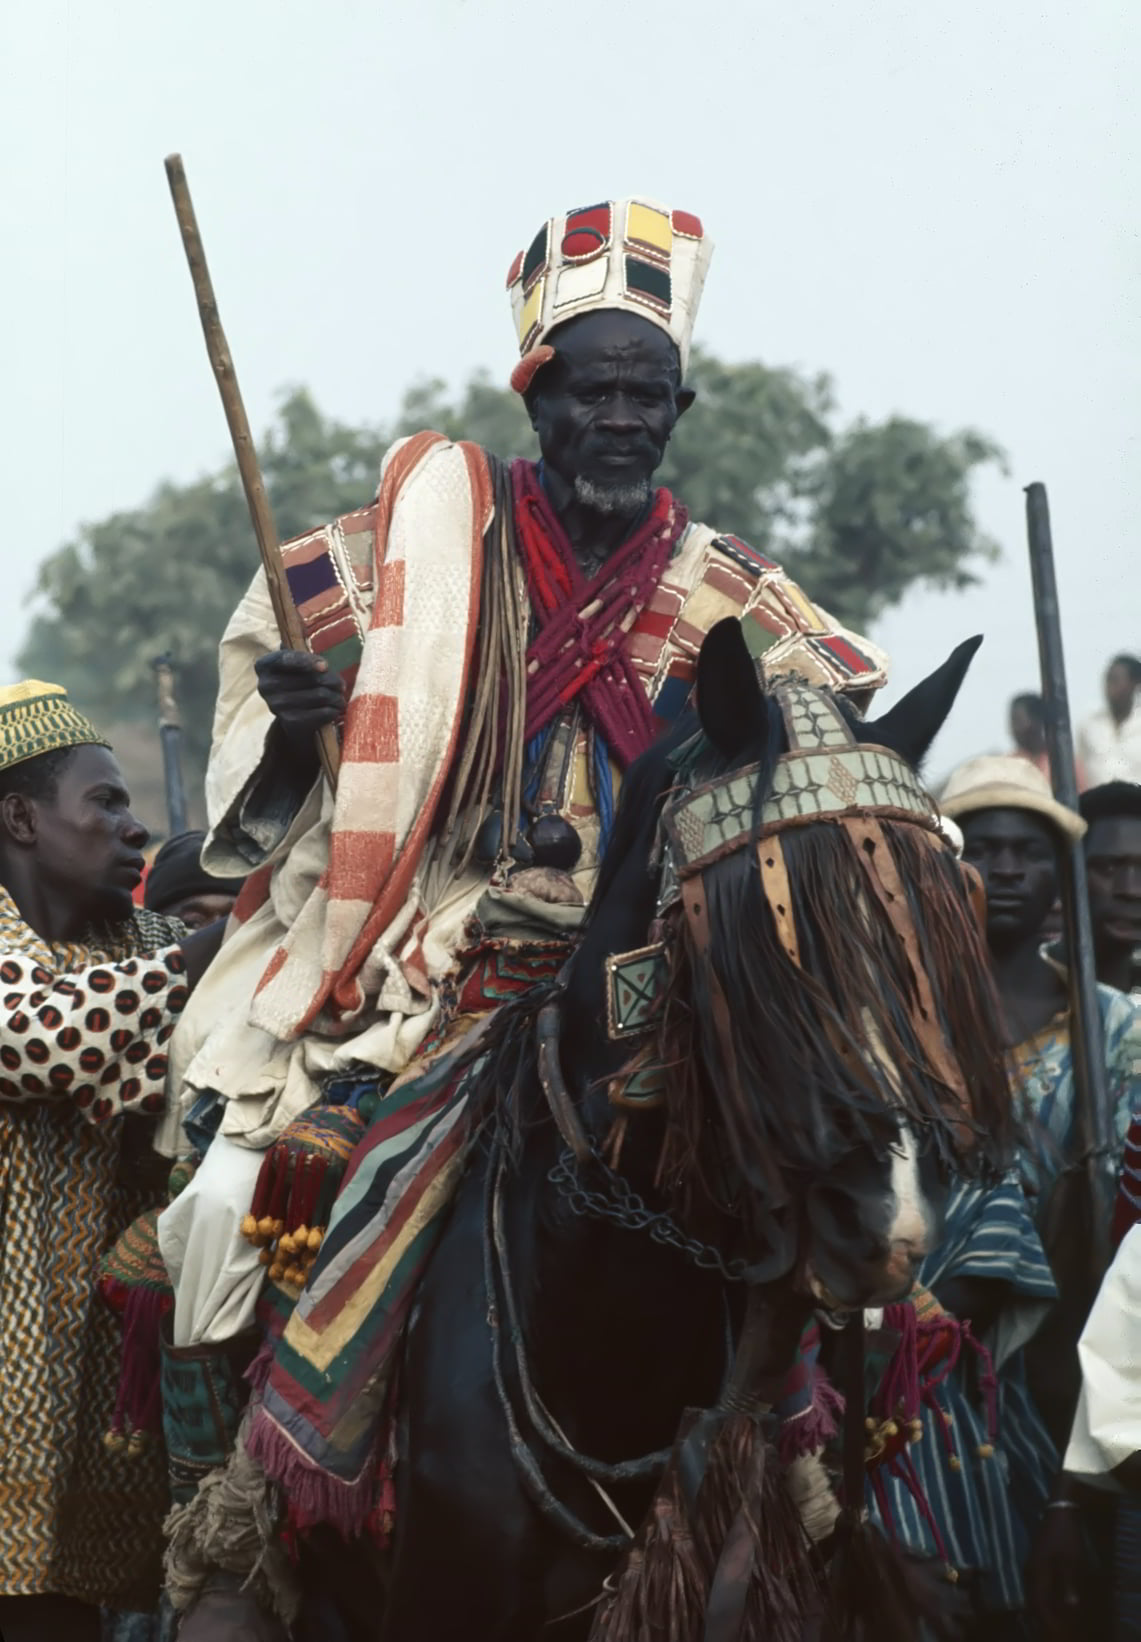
{"type": "Point", "coordinates": [621, 499]}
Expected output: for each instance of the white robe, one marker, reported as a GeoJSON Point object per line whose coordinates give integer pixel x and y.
{"type": "Point", "coordinates": [1107, 1427]}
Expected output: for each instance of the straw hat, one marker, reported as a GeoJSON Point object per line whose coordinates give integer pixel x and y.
{"type": "Point", "coordinates": [997, 782]}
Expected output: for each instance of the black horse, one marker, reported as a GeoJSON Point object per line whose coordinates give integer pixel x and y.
{"type": "Point", "coordinates": [758, 1125]}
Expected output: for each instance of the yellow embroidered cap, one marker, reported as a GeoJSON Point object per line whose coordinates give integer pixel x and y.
{"type": "Point", "coordinates": [632, 254]}
{"type": "Point", "coordinates": [38, 718]}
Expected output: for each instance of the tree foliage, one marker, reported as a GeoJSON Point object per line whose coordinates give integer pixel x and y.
{"type": "Point", "coordinates": [858, 514]}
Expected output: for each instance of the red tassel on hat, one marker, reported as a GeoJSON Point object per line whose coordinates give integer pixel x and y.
{"type": "Point", "coordinates": [532, 361]}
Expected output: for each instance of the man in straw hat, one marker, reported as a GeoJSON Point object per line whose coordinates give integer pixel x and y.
{"type": "Point", "coordinates": [985, 1468]}
{"type": "Point", "coordinates": [91, 990]}
{"type": "Point", "coordinates": [1014, 833]}
{"type": "Point", "coordinates": [500, 641]}
{"type": "Point", "coordinates": [1013, 828]}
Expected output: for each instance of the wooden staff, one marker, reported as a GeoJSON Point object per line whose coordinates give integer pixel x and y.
{"type": "Point", "coordinates": [288, 621]}
{"type": "Point", "coordinates": [1095, 1119]}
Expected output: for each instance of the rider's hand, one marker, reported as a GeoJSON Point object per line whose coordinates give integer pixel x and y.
{"type": "Point", "coordinates": [300, 692]}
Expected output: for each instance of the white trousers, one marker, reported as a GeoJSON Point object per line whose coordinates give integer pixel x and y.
{"type": "Point", "coordinates": [216, 1274]}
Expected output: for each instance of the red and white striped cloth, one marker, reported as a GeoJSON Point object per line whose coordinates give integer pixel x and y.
{"type": "Point", "coordinates": [401, 729]}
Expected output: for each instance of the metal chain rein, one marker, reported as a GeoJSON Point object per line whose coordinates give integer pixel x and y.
{"type": "Point", "coordinates": [623, 1207]}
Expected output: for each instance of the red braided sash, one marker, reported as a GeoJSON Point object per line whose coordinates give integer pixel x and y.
{"type": "Point", "coordinates": [579, 649]}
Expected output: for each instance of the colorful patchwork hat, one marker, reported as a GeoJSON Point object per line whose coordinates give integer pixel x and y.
{"type": "Point", "coordinates": [1004, 782]}
{"type": "Point", "coordinates": [38, 718]}
{"type": "Point", "coordinates": [631, 254]}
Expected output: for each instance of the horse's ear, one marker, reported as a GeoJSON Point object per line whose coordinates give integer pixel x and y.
{"type": "Point", "coordinates": [913, 723]}
{"type": "Point", "coordinates": [730, 703]}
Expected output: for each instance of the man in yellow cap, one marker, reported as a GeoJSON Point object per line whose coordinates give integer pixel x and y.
{"type": "Point", "coordinates": [90, 989]}
{"type": "Point", "coordinates": [498, 642]}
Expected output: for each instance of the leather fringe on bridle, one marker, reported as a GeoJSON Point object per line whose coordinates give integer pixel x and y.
{"type": "Point", "coordinates": [861, 931]}
{"type": "Point", "coordinates": [723, 1554]}
{"type": "Point", "coordinates": [862, 994]}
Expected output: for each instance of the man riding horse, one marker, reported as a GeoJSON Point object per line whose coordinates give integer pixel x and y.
{"type": "Point", "coordinates": [498, 642]}
{"type": "Point", "coordinates": [501, 644]}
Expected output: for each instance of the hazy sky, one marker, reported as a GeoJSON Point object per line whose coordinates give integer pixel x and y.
{"type": "Point", "coordinates": [936, 202]}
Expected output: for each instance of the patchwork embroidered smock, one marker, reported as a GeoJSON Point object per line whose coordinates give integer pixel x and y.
{"type": "Point", "coordinates": [983, 1498]}
{"type": "Point", "coordinates": [1042, 1071]}
{"type": "Point", "coordinates": [82, 1035]}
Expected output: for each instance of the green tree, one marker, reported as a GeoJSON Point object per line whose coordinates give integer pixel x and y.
{"type": "Point", "coordinates": [166, 576]}
{"type": "Point", "coordinates": [858, 513]}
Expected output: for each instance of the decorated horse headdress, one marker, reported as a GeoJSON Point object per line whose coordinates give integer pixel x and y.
{"type": "Point", "coordinates": [861, 992]}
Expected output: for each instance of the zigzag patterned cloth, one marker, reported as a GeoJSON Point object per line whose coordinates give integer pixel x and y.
{"type": "Point", "coordinates": [325, 1387]}
{"type": "Point", "coordinates": [74, 1519]}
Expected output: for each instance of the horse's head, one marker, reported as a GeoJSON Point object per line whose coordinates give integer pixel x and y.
{"type": "Point", "coordinates": [826, 1041]}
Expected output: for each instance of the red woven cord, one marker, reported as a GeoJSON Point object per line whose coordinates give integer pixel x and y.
{"type": "Point", "coordinates": [280, 1181]}
{"type": "Point", "coordinates": [295, 1211]}
{"type": "Point", "coordinates": [579, 650]}
{"type": "Point", "coordinates": [263, 1190]}
{"type": "Point", "coordinates": [138, 1405]}
{"type": "Point", "coordinates": [927, 1353]}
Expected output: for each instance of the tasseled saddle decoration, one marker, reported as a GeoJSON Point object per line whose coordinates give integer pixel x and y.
{"type": "Point", "coordinates": [728, 1549]}
{"type": "Point", "coordinates": [931, 1344]}
{"type": "Point", "coordinates": [296, 1188]}
{"type": "Point", "coordinates": [736, 1554]}
{"type": "Point", "coordinates": [133, 1281]}
{"type": "Point", "coordinates": [876, 1587]}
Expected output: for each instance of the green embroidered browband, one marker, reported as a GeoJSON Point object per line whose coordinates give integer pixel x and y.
{"type": "Point", "coordinates": [825, 775]}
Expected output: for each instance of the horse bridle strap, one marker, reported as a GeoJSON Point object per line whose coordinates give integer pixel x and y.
{"type": "Point", "coordinates": [778, 894]}
{"type": "Point", "coordinates": [697, 917]}
{"type": "Point", "coordinates": [554, 1085]}
{"type": "Point", "coordinates": [826, 775]}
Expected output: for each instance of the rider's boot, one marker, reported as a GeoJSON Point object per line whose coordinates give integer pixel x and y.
{"type": "Point", "coordinates": [203, 1396]}
{"type": "Point", "coordinates": [227, 1613]}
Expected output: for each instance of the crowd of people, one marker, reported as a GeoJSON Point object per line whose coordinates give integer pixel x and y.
{"type": "Point", "coordinates": [184, 1084]}
{"type": "Point", "coordinates": [1109, 741]}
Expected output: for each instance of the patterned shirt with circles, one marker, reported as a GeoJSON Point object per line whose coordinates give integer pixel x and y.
{"type": "Point", "coordinates": [83, 1030]}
